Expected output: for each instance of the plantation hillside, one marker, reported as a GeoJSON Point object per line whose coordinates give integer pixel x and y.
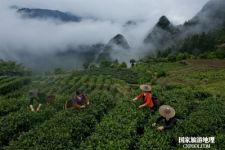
{"type": "Point", "coordinates": [194, 87]}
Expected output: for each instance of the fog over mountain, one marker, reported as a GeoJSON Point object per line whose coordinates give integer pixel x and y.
{"type": "Point", "coordinates": [165, 34]}
{"type": "Point", "coordinates": [48, 14]}
{"type": "Point", "coordinates": [47, 39]}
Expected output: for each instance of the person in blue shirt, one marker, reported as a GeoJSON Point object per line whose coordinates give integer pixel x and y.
{"type": "Point", "coordinates": [168, 115]}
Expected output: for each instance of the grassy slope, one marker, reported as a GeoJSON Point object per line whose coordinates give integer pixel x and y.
{"type": "Point", "coordinates": [204, 74]}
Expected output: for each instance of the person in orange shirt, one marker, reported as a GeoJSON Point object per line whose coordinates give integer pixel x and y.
{"type": "Point", "coordinates": [146, 94]}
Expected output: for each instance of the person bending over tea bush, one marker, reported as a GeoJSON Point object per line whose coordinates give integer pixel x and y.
{"type": "Point", "coordinates": [79, 100]}
{"type": "Point", "coordinates": [168, 115]}
{"type": "Point", "coordinates": [37, 96]}
{"type": "Point", "coordinates": [146, 95]}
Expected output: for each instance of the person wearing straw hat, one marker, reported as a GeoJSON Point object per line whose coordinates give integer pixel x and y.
{"type": "Point", "coordinates": [147, 97]}
{"type": "Point", "coordinates": [79, 100]}
{"type": "Point", "coordinates": [168, 114]}
{"type": "Point", "coordinates": [35, 94]}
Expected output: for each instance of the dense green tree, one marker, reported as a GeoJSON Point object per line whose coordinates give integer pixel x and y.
{"type": "Point", "coordinates": [132, 62]}
{"type": "Point", "coordinates": [123, 65]}
{"type": "Point", "coordinates": [198, 43]}
{"type": "Point", "coordinates": [92, 66]}
{"type": "Point", "coordinates": [115, 63]}
{"type": "Point", "coordinates": [105, 64]}
{"type": "Point", "coordinates": [12, 68]}
{"type": "Point", "coordinates": [86, 65]}
{"type": "Point", "coordinates": [220, 53]}
{"type": "Point", "coordinates": [58, 71]}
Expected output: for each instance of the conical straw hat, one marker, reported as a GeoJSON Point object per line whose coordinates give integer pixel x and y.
{"type": "Point", "coordinates": [167, 111]}
{"type": "Point", "coordinates": [145, 87]}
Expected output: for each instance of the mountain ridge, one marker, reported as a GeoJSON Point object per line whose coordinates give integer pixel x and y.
{"type": "Point", "coordinates": [164, 34]}
{"type": "Point", "coordinates": [48, 14]}
{"type": "Point", "coordinates": [118, 42]}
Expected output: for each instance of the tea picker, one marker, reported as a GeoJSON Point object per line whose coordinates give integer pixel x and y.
{"type": "Point", "coordinates": [79, 100]}
{"type": "Point", "coordinates": [35, 95]}
{"type": "Point", "coordinates": [168, 115]}
{"type": "Point", "coordinates": [146, 95]}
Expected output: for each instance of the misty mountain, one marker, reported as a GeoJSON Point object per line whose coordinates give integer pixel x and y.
{"type": "Point", "coordinates": [97, 52]}
{"type": "Point", "coordinates": [118, 41]}
{"type": "Point", "coordinates": [211, 15]}
{"type": "Point", "coordinates": [72, 45]}
{"type": "Point", "coordinates": [130, 23]}
{"type": "Point", "coordinates": [116, 44]}
{"type": "Point", "coordinates": [48, 14]}
{"type": "Point", "coordinates": [86, 53]}
{"type": "Point", "coordinates": [73, 57]}
{"type": "Point", "coordinates": [165, 34]}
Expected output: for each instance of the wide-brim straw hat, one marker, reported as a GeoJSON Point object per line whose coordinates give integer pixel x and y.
{"type": "Point", "coordinates": [145, 88]}
{"type": "Point", "coordinates": [167, 111]}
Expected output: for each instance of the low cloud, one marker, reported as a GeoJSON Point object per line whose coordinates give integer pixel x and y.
{"type": "Point", "coordinates": [38, 37]}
